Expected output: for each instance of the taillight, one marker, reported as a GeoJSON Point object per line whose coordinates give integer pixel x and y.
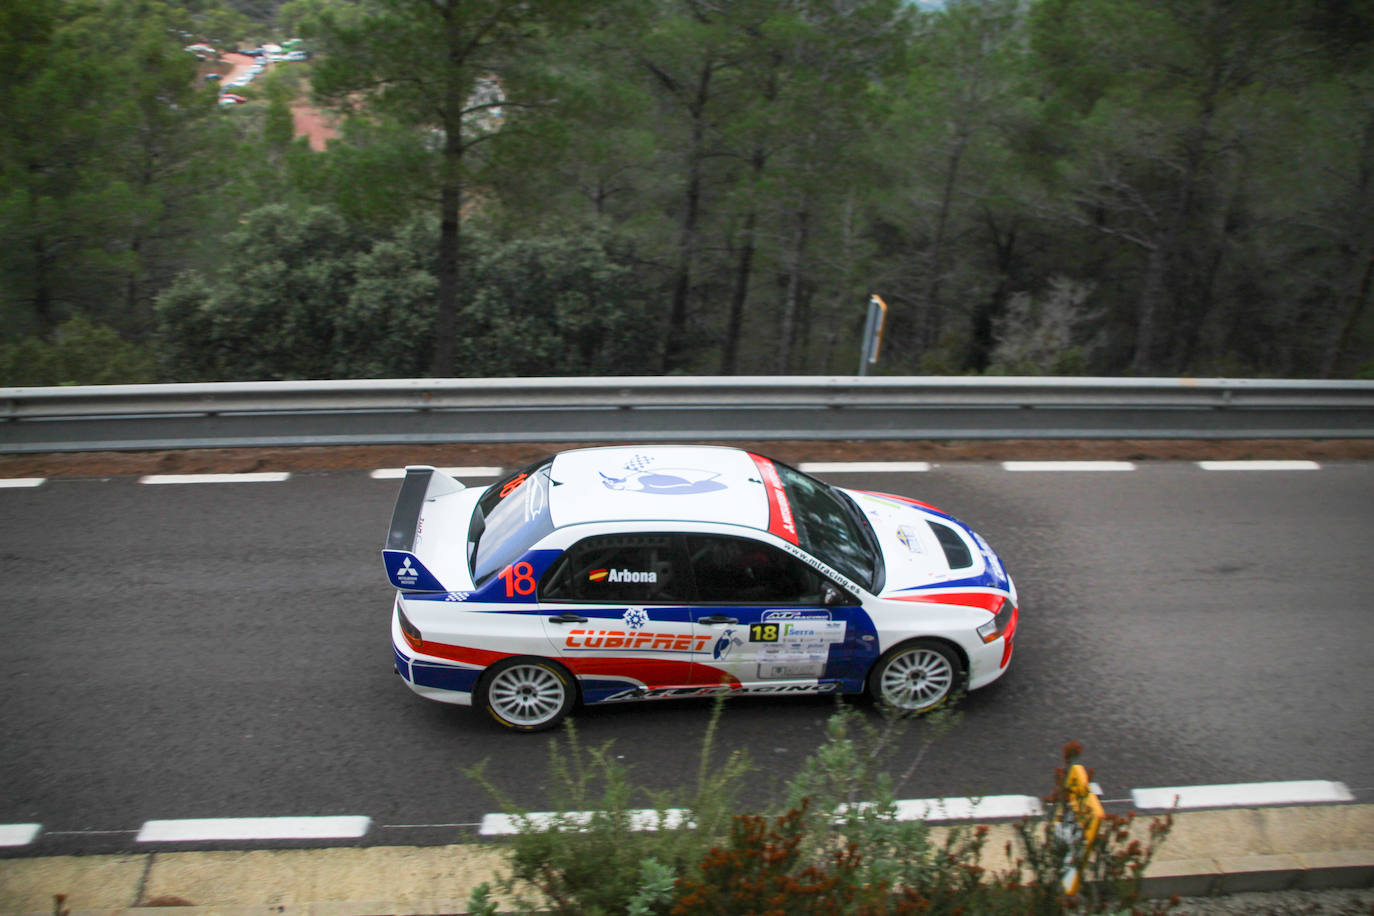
{"type": "Point", "coordinates": [408, 629]}
{"type": "Point", "coordinates": [1003, 621]}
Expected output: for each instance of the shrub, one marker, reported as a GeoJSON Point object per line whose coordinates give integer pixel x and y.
{"type": "Point", "coordinates": [599, 864]}
{"type": "Point", "coordinates": [840, 847]}
{"type": "Point", "coordinates": [79, 352]}
{"type": "Point", "coordinates": [1047, 335]}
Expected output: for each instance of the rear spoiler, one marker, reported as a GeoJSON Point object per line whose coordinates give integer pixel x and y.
{"type": "Point", "coordinates": [403, 567]}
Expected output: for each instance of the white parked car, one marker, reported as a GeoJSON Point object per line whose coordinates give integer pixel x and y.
{"type": "Point", "coordinates": [616, 574]}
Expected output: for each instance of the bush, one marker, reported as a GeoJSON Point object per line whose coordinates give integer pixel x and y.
{"type": "Point", "coordinates": [601, 865]}
{"type": "Point", "coordinates": [1046, 335]}
{"type": "Point", "coordinates": [78, 353]}
{"type": "Point", "coordinates": [554, 306]}
{"type": "Point", "coordinates": [840, 848]}
{"type": "Point", "coordinates": [304, 294]}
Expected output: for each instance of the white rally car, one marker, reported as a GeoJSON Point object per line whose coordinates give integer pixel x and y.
{"type": "Point", "coordinates": [612, 574]}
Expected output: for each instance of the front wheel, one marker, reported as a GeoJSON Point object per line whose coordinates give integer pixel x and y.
{"type": "Point", "coordinates": [526, 694]}
{"type": "Point", "coordinates": [916, 676]}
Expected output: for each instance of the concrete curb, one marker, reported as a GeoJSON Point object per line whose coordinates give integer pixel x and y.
{"type": "Point", "coordinates": [1209, 852]}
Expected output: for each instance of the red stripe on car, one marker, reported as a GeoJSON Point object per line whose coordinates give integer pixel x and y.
{"type": "Point", "coordinates": [780, 521]}
{"type": "Point", "coordinates": [988, 601]}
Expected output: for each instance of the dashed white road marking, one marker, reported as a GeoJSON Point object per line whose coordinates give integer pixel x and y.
{"type": "Point", "coordinates": [644, 819]}
{"type": "Point", "coordinates": [1259, 465]}
{"type": "Point", "coordinates": [473, 471]}
{"type": "Point", "coordinates": [18, 834]}
{"type": "Point", "coordinates": [992, 807]}
{"type": "Point", "coordinates": [934, 810]}
{"type": "Point", "coordinates": [1068, 466]}
{"type": "Point", "coordinates": [864, 467]}
{"type": "Point", "coordinates": [253, 828]}
{"type": "Point", "coordinates": [1243, 795]}
{"type": "Point", "coordinates": [258, 477]}
{"type": "Point", "coordinates": [16, 482]}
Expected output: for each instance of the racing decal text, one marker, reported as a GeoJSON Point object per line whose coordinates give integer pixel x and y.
{"type": "Point", "coordinates": [660, 693]}
{"type": "Point", "coordinates": [519, 579]}
{"type": "Point", "coordinates": [621, 575]}
{"type": "Point", "coordinates": [619, 639]}
{"type": "Point", "coordinates": [819, 567]}
{"type": "Point", "coordinates": [407, 574]}
{"type": "Point", "coordinates": [763, 632]}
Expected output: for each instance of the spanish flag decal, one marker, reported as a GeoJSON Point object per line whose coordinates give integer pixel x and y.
{"type": "Point", "coordinates": [597, 575]}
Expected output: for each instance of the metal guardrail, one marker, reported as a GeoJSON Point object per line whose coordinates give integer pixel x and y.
{"type": "Point", "coordinates": [419, 411]}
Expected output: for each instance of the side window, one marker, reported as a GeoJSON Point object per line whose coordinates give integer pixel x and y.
{"type": "Point", "coordinates": [743, 571]}
{"type": "Point", "coordinates": [620, 569]}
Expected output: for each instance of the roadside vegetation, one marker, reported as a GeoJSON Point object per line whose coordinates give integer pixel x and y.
{"type": "Point", "coordinates": [831, 842]}
{"type": "Point", "coordinates": [1144, 187]}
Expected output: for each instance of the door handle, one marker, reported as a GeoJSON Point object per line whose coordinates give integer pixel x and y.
{"type": "Point", "coordinates": [568, 618]}
{"type": "Point", "coordinates": [717, 618]}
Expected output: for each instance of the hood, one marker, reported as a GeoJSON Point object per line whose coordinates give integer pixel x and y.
{"type": "Point", "coordinates": [926, 550]}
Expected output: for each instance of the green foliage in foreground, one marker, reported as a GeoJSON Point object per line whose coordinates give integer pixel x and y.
{"type": "Point", "coordinates": [595, 865]}
{"type": "Point", "coordinates": [839, 849]}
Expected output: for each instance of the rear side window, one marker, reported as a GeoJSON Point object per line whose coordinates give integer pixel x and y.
{"type": "Point", "coordinates": [620, 569]}
{"type": "Point", "coordinates": [509, 519]}
{"type": "Point", "coordinates": [956, 551]}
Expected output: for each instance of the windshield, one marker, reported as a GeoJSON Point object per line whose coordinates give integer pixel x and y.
{"type": "Point", "coordinates": [831, 527]}
{"type": "Point", "coordinates": [509, 519]}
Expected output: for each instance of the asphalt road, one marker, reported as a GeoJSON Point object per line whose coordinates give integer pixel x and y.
{"type": "Point", "coordinates": [222, 650]}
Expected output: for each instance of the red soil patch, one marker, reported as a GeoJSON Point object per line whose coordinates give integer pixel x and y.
{"type": "Point", "coordinates": [313, 124]}
{"type": "Point", "coordinates": [238, 65]}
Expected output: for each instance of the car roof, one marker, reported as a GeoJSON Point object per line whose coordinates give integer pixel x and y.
{"type": "Point", "coordinates": [691, 483]}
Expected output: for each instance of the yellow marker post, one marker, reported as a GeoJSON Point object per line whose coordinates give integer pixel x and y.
{"type": "Point", "coordinates": [1080, 819]}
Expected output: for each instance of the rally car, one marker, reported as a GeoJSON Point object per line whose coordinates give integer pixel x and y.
{"type": "Point", "coordinates": [606, 575]}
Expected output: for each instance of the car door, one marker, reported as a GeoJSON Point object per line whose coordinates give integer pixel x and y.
{"type": "Point", "coordinates": [773, 620]}
{"type": "Point", "coordinates": [617, 609]}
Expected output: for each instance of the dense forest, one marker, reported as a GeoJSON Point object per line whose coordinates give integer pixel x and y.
{"type": "Point", "coordinates": [603, 187]}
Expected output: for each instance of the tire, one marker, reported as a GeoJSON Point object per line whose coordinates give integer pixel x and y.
{"type": "Point", "coordinates": [526, 694]}
{"type": "Point", "coordinates": [916, 676]}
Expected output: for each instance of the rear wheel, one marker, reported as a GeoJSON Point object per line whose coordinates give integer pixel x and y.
{"type": "Point", "coordinates": [526, 694]}
{"type": "Point", "coordinates": [915, 677]}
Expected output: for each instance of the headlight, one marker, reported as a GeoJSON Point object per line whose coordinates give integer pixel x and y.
{"type": "Point", "coordinates": [408, 629]}
{"type": "Point", "coordinates": [1002, 623]}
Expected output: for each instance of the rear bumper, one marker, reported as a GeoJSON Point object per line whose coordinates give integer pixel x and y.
{"type": "Point", "coordinates": [431, 678]}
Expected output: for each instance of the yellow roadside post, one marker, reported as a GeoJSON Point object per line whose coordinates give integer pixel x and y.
{"type": "Point", "coordinates": [1078, 821]}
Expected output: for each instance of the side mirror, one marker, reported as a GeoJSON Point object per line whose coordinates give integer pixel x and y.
{"type": "Point", "coordinates": [832, 594]}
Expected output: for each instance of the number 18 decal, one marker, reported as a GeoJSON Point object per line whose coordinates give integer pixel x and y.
{"type": "Point", "coordinates": [763, 632]}
{"type": "Point", "coordinates": [519, 579]}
